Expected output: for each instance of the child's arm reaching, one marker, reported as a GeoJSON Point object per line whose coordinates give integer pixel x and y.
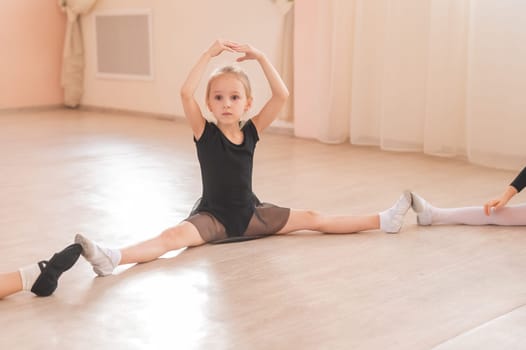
{"type": "Point", "coordinates": [515, 187]}
{"type": "Point", "coordinates": [191, 108]}
{"type": "Point", "coordinates": [280, 93]}
{"type": "Point", "coordinates": [500, 202]}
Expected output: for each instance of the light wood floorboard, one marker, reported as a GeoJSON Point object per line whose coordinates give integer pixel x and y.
{"type": "Point", "coordinates": [121, 179]}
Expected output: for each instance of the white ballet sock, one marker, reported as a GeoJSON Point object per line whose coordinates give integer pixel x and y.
{"type": "Point", "coordinates": [391, 220]}
{"type": "Point", "coordinates": [104, 260]}
{"type": "Point", "coordinates": [29, 275]}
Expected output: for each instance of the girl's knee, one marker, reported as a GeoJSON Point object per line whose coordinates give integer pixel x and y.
{"type": "Point", "coordinates": [180, 236]}
{"type": "Point", "coordinates": [173, 238]}
{"type": "Point", "coordinates": [314, 218]}
{"type": "Point", "coordinates": [169, 236]}
{"type": "Point", "coordinates": [303, 220]}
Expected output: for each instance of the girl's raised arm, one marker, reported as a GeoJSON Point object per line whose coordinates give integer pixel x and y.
{"type": "Point", "coordinates": [191, 107]}
{"type": "Point", "coordinates": [280, 93]}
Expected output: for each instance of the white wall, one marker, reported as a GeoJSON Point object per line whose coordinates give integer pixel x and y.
{"type": "Point", "coordinates": [182, 30]}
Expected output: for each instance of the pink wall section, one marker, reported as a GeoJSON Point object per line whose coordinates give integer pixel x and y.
{"type": "Point", "coordinates": [31, 37]}
{"type": "Point", "coordinates": [309, 80]}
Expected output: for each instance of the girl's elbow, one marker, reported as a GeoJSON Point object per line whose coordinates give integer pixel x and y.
{"type": "Point", "coordinates": [283, 95]}
{"type": "Point", "coordinates": [185, 94]}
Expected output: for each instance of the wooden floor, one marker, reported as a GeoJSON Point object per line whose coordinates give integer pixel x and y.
{"type": "Point", "coordinates": [121, 179]}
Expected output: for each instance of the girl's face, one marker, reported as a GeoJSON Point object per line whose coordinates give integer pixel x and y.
{"type": "Point", "coordinates": [227, 99]}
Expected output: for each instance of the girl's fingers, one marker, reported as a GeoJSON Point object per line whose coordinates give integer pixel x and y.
{"type": "Point", "coordinates": [242, 58]}
{"type": "Point", "coordinates": [488, 206]}
{"type": "Point", "coordinates": [231, 44]}
{"type": "Point", "coordinates": [241, 48]}
{"type": "Point", "coordinates": [226, 47]}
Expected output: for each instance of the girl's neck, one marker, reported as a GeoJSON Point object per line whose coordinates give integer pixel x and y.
{"type": "Point", "coordinates": [232, 132]}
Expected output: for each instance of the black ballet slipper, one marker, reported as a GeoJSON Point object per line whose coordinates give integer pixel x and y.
{"type": "Point", "coordinates": [51, 270]}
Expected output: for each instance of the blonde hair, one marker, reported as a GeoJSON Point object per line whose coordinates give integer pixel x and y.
{"type": "Point", "coordinates": [237, 72]}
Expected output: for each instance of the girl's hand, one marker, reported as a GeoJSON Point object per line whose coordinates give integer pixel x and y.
{"type": "Point", "coordinates": [250, 52]}
{"type": "Point", "coordinates": [501, 202]}
{"type": "Point", "coordinates": [219, 46]}
{"type": "Point", "coordinates": [494, 203]}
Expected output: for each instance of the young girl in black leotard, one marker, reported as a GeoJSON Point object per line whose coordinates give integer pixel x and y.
{"type": "Point", "coordinates": [228, 209]}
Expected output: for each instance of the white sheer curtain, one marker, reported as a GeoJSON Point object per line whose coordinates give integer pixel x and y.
{"type": "Point", "coordinates": [443, 77]}
{"type": "Point", "coordinates": [73, 56]}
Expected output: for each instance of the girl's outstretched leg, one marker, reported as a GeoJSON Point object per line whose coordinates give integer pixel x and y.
{"type": "Point", "coordinates": [10, 283]}
{"type": "Point", "coordinates": [42, 278]}
{"type": "Point", "coordinates": [430, 215]}
{"type": "Point", "coordinates": [105, 260]}
{"type": "Point", "coordinates": [389, 220]}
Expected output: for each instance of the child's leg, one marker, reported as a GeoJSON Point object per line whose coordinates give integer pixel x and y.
{"type": "Point", "coordinates": [183, 235]}
{"type": "Point", "coordinates": [42, 278]}
{"type": "Point", "coordinates": [105, 260]}
{"type": "Point", "coordinates": [507, 216]}
{"type": "Point", "coordinates": [430, 215]}
{"type": "Point", "coordinates": [10, 283]}
{"type": "Point", "coordinates": [311, 220]}
{"type": "Point", "coordinates": [389, 220]}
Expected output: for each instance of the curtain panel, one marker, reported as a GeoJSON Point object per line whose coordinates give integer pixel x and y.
{"type": "Point", "coordinates": [442, 77]}
{"type": "Point", "coordinates": [72, 78]}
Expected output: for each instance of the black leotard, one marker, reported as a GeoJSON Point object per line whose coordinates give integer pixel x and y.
{"type": "Point", "coordinates": [520, 181]}
{"type": "Point", "coordinates": [226, 172]}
